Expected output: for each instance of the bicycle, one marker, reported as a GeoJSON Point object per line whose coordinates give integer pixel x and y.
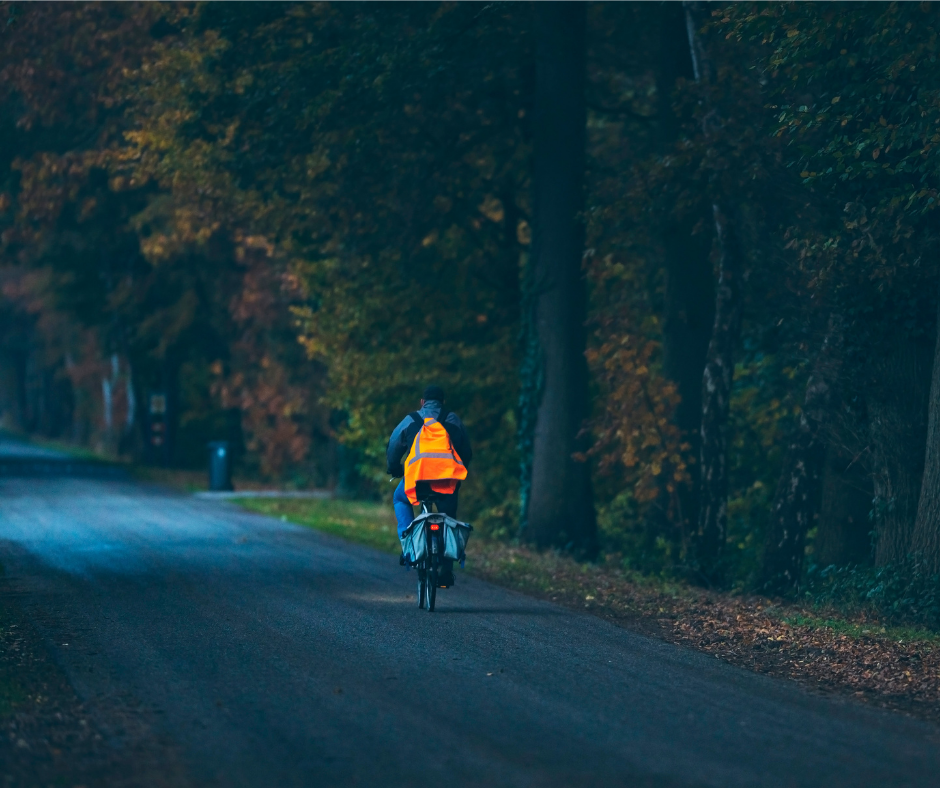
{"type": "Point", "coordinates": [433, 538]}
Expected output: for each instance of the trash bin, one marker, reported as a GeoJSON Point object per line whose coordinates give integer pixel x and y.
{"type": "Point", "coordinates": [220, 466]}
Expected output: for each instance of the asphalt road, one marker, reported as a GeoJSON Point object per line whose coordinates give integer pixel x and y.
{"type": "Point", "coordinates": [268, 655]}
{"type": "Point", "coordinates": [11, 447]}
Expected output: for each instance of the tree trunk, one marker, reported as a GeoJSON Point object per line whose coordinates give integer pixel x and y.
{"type": "Point", "coordinates": [719, 359]}
{"type": "Point", "coordinates": [897, 413]}
{"type": "Point", "coordinates": [687, 322]}
{"type": "Point", "coordinates": [689, 293]}
{"type": "Point", "coordinates": [926, 540]}
{"type": "Point", "coordinates": [716, 401]}
{"type": "Point", "coordinates": [797, 497]}
{"type": "Point", "coordinates": [560, 502]}
{"type": "Point", "coordinates": [844, 535]}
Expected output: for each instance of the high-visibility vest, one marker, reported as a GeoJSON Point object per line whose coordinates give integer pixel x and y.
{"type": "Point", "coordinates": [433, 459]}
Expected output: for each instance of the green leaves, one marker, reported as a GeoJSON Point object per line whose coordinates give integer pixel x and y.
{"type": "Point", "coordinates": [361, 146]}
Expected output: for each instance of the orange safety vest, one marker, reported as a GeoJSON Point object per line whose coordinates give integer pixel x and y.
{"type": "Point", "coordinates": [433, 459]}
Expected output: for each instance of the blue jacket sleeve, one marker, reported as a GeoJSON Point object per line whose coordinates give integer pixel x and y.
{"type": "Point", "coordinates": [396, 450]}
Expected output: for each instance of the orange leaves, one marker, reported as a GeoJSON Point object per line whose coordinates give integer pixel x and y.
{"type": "Point", "coordinates": [47, 183]}
{"type": "Point", "coordinates": [271, 406]}
{"type": "Point", "coordinates": [61, 61]}
{"type": "Point", "coordinates": [635, 429]}
{"type": "Point", "coordinates": [492, 209]}
{"type": "Point", "coordinates": [271, 387]}
{"type": "Point", "coordinates": [741, 631]}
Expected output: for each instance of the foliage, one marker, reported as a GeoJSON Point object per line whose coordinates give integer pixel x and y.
{"type": "Point", "coordinates": [856, 107]}
{"type": "Point", "coordinates": [639, 443]}
{"type": "Point", "coordinates": [762, 413]}
{"type": "Point", "coordinates": [296, 216]}
{"type": "Point", "coordinates": [651, 447]}
{"type": "Point", "coordinates": [161, 309]}
{"type": "Point", "coordinates": [718, 150]}
{"type": "Point", "coordinates": [395, 229]}
{"type": "Point", "coordinates": [641, 457]}
{"type": "Point", "coordinates": [902, 594]}
{"type": "Point", "coordinates": [858, 111]}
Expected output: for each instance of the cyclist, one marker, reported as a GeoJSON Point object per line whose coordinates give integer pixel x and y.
{"type": "Point", "coordinates": [441, 475]}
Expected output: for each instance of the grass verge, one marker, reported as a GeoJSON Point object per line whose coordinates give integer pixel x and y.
{"type": "Point", "coordinates": [367, 523]}
{"type": "Point", "coordinates": [894, 667]}
{"type": "Point", "coordinates": [182, 480]}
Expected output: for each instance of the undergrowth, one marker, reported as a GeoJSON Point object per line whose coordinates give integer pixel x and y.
{"type": "Point", "coordinates": [905, 595]}
{"type": "Point", "coordinates": [853, 629]}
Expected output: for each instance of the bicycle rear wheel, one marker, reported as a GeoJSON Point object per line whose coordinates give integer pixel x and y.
{"type": "Point", "coordinates": [431, 593]}
{"type": "Point", "coordinates": [422, 589]}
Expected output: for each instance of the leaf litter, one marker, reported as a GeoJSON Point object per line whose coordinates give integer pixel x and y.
{"type": "Point", "coordinates": [861, 657]}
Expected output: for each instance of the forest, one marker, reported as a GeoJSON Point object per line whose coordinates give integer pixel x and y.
{"type": "Point", "coordinates": [675, 264]}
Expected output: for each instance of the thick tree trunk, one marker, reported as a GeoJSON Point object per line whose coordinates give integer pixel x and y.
{"type": "Point", "coordinates": [897, 413]}
{"type": "Point", "coordinates": [560, 502]}
{"type": "Point", "coordinates": [689, 293]}
{"type": "Point", "coordinates": [797, 498]}
{"type": "Point", "coordinates": [844, 531]}
{"type": "Point", "coordinates": [926, 539]}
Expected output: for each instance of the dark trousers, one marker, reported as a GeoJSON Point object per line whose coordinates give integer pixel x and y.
{"type": "Point", "coordinates": [404, 511]}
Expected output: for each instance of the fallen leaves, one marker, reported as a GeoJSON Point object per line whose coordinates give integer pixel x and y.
{"type": "Point", "coordinates": [741, 631]}
{"type": "Point", "coordinates": [782, 640]}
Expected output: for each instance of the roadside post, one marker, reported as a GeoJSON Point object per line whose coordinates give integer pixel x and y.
{"type": "Point", "coordinates": [220, 467]}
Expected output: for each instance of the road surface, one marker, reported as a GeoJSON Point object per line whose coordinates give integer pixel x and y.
{"type": "Point", "coordinates": [270, 655]}
{"type": "Point", "coordinates": [14, 448]}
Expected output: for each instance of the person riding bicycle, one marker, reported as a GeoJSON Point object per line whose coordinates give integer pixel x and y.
{"type": "Point", "coordinates": [439, 472]}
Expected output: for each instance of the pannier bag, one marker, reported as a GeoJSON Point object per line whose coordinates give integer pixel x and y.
{"type": "Point", "coordinates": [414, 540]}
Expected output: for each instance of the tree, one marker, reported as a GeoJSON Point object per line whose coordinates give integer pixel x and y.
{"type": "Point", "coordinates": [637, 211]}
{"type": "Point", "coordinates": [378, 153]}
{"type": "Point", "coordinates": [719, 359]}
{"type": "Point", "coordinates": [797, 497]}
{"type": "Point", "coordinates": [64, 253]}
{"type": "Point", "coordinates": [843, 536]}
{"type": "Point", "coordinates": [689, 308]}
{"type": "Point", "coordinates": [560, 507]}
{"type": "Point", "coordinates": [858, 103]}
{"type": "Point", "coordinates": [165, 308]}
{"type": "Point", "coordinates": [925, 541]}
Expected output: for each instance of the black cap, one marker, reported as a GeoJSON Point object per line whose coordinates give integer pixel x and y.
{"type": "Point", "coordinates": [433, 392]}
